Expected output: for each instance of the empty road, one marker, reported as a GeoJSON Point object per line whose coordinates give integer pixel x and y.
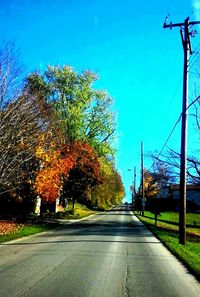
{"type": "Point", "coordinates": [107, 255]}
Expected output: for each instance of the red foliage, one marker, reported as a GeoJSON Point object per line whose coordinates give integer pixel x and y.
{"type": "Point", "coordinates": [58, 161]}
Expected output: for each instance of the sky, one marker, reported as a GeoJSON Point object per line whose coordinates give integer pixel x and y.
{"type": "Point", "coordinates": [139, 63]}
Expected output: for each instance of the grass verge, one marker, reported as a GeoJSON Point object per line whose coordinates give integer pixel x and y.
{"type": "Point", "coordinates": [168, 234]}
{"type": "Point", "coordinates": [46, 222]}
{"type": "Point", "coordinates": [24, 230]}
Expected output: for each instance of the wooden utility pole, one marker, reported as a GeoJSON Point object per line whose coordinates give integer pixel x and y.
{"type": "Point", "coordinates": [134, 186]}
{"type": "Point", "coordinates": [134, 179]}
{"type": "Point", "coordinates": [142, 177]}
{"type": "Point", "coordinates": [185, 36]}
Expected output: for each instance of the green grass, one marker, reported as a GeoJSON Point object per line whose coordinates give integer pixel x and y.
{"type": "Point", "coordinates": [168, 234]}
{"type": "Point", "coordinates": [174, 217]}
{"type": "Point", "coordinates": [81, 211]}
{"type": "Point", "coordinates": [25, 230]}
{"type": "Point", "coordinates": [170, 221]}
{"type": "Point", "coordinates": [49, 221]}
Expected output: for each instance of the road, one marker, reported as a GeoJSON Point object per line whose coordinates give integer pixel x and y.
{"type": "Point", "coordinates": [106, 255]}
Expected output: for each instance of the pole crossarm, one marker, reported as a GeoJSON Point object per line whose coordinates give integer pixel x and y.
{"type": "Point", "coordinates": [180, 24]}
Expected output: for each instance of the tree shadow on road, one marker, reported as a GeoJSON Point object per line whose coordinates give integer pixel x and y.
{"type": "Point", "coordinates": [105, 231]}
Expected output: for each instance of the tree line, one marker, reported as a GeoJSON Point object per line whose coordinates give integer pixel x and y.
{"type": "Point", "coordinates": [56, 136]}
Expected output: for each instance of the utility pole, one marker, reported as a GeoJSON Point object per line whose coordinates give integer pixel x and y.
{"type": "Point", "coordinates": [185, 37]}
{"type": "Point", "coordinates": [142, 177]}
{"type": "Point", "coordinates": [134, 186]}
{"type": "Point", "coordinates": [134, 179]}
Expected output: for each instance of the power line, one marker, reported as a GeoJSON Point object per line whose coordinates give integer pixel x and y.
{"type": "Point", "coordinates": [193, 102]}
{"type": "Point", "coordinates": [173, 96]}
{"type": "Point", "coordinates": [194, 56]}
{"type": "Point", "coordinates": [195, 52]}
{"type": "Point", "coordinates": [187, 49]}
{"type": "Point", "coordinates": [170, 134]}
{"type": "Point", "coordinates": [194, 62]}
{"type": "Point", "coordinates": [168, 138]}
{"type": "Point", "coordinates": [175, 92]}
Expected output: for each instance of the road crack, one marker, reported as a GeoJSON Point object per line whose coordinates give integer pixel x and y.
{"type": "Point", "coordinates": [125, 288]}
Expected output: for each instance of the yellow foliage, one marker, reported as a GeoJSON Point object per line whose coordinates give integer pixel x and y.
{"type": "Point", "coordinates": [150, 185]}
{"type": "Point", "coordinates": [106, 167]}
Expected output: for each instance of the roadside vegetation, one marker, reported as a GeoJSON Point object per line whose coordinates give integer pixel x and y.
{"type": "Point", "coordinates": [14, 229]}
{"type": "Point", "coordinates": [166, 229]}
{"type": "Point", "coordinates": [78, 212]}
{"type": "Point", "coordinates": [20, 230]}
{"type": "Point", "coordinates": [57, 136]}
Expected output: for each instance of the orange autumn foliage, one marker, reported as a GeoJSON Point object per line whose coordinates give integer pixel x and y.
{"type": "Point", "coordinates": [47, 184]}
{"type": "Point", "coordinates": [86, 159]}
{"type": "Point", "coordinates": [57, 161]}
{"type": "Point", "coordinates": [48, 180]}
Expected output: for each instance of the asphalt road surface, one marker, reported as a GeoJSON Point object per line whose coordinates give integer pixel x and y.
{"type": "Point", "coordinates": [106, 255]}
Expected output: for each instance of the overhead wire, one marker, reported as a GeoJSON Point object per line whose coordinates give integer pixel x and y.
{"type": "Point", "coordinates": [194, 56]}
{"type": "Point", "coordinates": [170, 134]}
{"type": "Point", "coordinates": [190, 66]}
{"type": "Point", "coordinates": [175, 92]}
{"type": "Point", "coordinates": [193, 61]}
{"type": "Point", "coordinates": [168, 138]}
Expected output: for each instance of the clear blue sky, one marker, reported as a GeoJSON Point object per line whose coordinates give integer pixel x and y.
{"type": "Point", "coordinates": [139, 63]}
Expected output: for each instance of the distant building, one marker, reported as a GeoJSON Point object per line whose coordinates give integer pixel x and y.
{"type": "Point", "coordinates": [173, 192]}
{"type": "Point", "coordinates": [163, 192]}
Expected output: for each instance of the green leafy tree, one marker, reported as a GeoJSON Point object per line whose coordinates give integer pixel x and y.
{"type": "Point", "coordinates": [83, 112]}
{"type": "Point", "coordinates": [84, 116]}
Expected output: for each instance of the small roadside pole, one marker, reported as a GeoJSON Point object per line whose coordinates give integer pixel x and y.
{"type": "Point", "coordinates": [187, 49]}
{"type": "Point", "coordinates": [142, 177]}
{"type": "Point", "coordinates": [133, 187]}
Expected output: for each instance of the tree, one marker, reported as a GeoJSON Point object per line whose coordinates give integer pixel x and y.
{"type": "Point", "coordinates": [21, 122]}
{"type": "Point", "coordinates": [85, 173]}
{"type": "Point", "coordinates": [163, 173]}
{"type": "Point", "coordinates": [159, 176]}
{"type": "Point", "coordinates": [87, 124]}
{"type": "Point", "coordinates": [54, 129]}
{"type": "Point", "coordinates": [10, 74]}
{"type": "Point", "coordinates": [22, 118]}
{"type": "Point", "coordinates": [150, 185]}
{"type": "Point", "coordinates": [55, 162]}
{"type": "Point", "coordinates": [83, 113]}
{"type": "Point", "coordinates": [111, 190]}
{"type": "Point", "coordinates": [172, 160]}
{"type": "Point", "coordinates": [72, 168]}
